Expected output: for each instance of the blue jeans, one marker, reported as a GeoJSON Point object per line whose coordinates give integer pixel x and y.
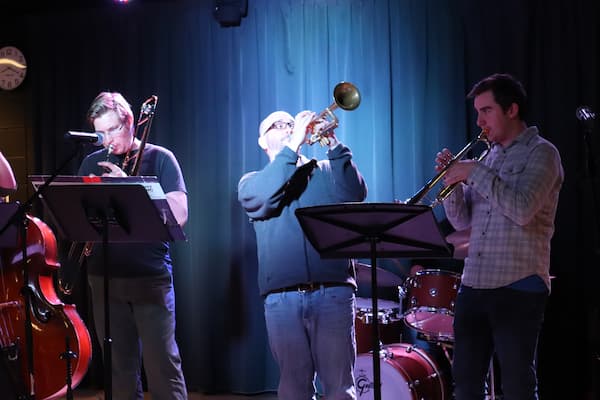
{"type": "Point", "coordinates": [142, 322]}
{"type": "Point", "coordinates": [313, 332]}
{"type": "Point", "coordinates": [504, 321]}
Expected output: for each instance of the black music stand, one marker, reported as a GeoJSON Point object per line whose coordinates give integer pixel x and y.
{"type": "Point", "coordinates": [375, 230]}
{"type": "Point", "coordinates": [109, 213]}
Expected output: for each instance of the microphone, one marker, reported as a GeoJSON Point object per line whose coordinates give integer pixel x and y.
{"type": "Point", "coordinates": [96, 138]}
{"type": "Point", "coordinates": [584, 113]}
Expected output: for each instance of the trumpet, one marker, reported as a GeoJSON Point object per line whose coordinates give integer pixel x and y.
{"type": "Point", "coordinates": [345, 96]}
{"type": "Point", "coordinates": [447, 190]}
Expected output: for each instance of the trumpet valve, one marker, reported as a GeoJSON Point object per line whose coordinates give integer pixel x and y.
{"type": "Point", "coordinates": [318, 138]}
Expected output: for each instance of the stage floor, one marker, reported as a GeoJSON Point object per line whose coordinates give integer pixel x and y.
{"type": "Point", "coordinates": [99, 395]}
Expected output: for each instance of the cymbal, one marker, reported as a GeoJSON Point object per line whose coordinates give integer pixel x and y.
{"type": "Point", "coordinates": [384, 277]}
{"type": "Point", "coordinates": [460, 241]}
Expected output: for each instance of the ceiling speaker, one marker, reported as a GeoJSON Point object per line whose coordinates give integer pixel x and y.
{"type": "Point", "coordinates": [230, 12]}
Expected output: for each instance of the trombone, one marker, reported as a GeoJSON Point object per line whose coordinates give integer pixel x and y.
{"type": "Point", "coordinates": [447, 190]}
{"type": "Point", "coordinates": [345, 96]}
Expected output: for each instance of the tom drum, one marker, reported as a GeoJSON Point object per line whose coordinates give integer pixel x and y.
{"type": "Point", "coordinates": [389, 320]}
{"type": "Point", "coordinates": [430, 303]}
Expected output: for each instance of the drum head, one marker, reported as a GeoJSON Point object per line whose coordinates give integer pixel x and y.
{"type": "Point", "coordinates": [434, 324]}
{"type": "Point", "coordinates": [365, 304]}
{"type": "Point", "coordinates": [394, 383]}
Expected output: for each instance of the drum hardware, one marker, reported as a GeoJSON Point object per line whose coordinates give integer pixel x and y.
{"type": "Point", "coordinates": [401, 296]}
{"type": "Point", "coordinates": [446, 347]}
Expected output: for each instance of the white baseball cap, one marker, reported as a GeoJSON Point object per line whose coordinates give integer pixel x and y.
{"type": "Point", "coordinates": [268, 122]}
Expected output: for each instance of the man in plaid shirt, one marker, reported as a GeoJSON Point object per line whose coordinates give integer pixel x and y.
{"type": "Point", "coordinates": [509, 201]}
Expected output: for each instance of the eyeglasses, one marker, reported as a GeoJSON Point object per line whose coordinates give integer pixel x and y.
{"type": "Point", "coordinates": [282, 125]}
{"type": "Point", "coordinates": [115, 131]}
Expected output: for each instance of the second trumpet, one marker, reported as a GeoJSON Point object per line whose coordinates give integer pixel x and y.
{"type": "Point", "coordinates": [446, 190]}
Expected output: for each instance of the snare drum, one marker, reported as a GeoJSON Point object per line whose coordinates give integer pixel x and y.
{"type": "Point", "coordinates": [430, 303]}
{"type": "Point", "coordinates": [406, 373]}
{"type": "Point", "coordinates": [389, 322]}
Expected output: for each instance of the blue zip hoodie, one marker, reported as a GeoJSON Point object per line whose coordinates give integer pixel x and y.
{"type": "Point", "coordinates": [272, 195]}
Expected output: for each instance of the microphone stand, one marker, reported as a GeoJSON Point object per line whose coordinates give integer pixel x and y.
{"type": "Point", "coordinates": [590, 174]}
{"type": "Point", "coordinates": [20, 217]}
{"type": "Point", "coordinates": [589, 179]}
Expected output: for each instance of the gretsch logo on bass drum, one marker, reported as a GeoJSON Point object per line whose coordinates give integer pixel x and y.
{"type": "Point", "coordinates": [363, 383]}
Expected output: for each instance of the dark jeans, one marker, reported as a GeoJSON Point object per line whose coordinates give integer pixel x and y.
{"type": "Point", "coordinates": [504, 321]}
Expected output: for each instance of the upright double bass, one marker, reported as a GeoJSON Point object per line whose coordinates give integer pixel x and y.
{"type": "Point", "coordinates": [44, 342]}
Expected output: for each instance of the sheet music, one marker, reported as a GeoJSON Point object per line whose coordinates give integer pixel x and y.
{"type": "Point", "coordinates": [150, 183]}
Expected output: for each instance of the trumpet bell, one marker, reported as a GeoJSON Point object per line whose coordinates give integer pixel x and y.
{"type": "Point", "coordinates": [346, 96]}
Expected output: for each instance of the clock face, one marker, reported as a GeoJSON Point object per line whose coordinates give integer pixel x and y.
{"type": "Point", "coordinates": [12, 67]}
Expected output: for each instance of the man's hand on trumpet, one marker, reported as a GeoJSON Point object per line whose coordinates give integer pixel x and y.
{"type": "Point", "coordinates": [459, 171]}
{"type": "Point", "coordinates": [331, 139]}
{"type": "Point", "coordinates": [325, 138]}
{"type": "Point", "coordinates": [317, 133]}
{"type": "Point", "coordinates": [298, 136]}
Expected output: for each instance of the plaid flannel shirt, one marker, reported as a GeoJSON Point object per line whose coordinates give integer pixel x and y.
{"type": "Point", "coordinates": [509, 201]}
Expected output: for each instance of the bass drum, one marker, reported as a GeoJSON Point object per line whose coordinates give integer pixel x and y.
{"type": "Point", "coordinates": [407, 373]}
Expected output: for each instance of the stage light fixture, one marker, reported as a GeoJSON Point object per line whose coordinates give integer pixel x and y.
{"type": "Point", "coordinates": [230, 12]}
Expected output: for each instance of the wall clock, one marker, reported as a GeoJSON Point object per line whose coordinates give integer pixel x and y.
{"type": "Point", "coordinates": [13, 67]}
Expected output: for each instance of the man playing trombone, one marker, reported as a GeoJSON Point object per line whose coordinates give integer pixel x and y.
{"type": "Point", "coordinates": [509, 201]}
{"type": "Point", "coordinates": [142, 295]}
{"type": "Point", "coordinates": [308, 302]}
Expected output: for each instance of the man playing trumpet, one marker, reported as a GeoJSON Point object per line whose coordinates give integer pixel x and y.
{"type": "Point", "coordinates": [308, 302]}
{"type": "Point", "coordinates": [509, 201]}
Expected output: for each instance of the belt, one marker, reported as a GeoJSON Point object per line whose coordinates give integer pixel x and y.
{"type": "Point", "coordinates": [308, 287]}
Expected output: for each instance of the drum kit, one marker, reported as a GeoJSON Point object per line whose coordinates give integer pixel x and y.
{"type": "Point", "coordinates": [425, 306]}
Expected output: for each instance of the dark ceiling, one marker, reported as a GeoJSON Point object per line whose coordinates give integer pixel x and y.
{"type": "Point", "coordinates": [36, 7]}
